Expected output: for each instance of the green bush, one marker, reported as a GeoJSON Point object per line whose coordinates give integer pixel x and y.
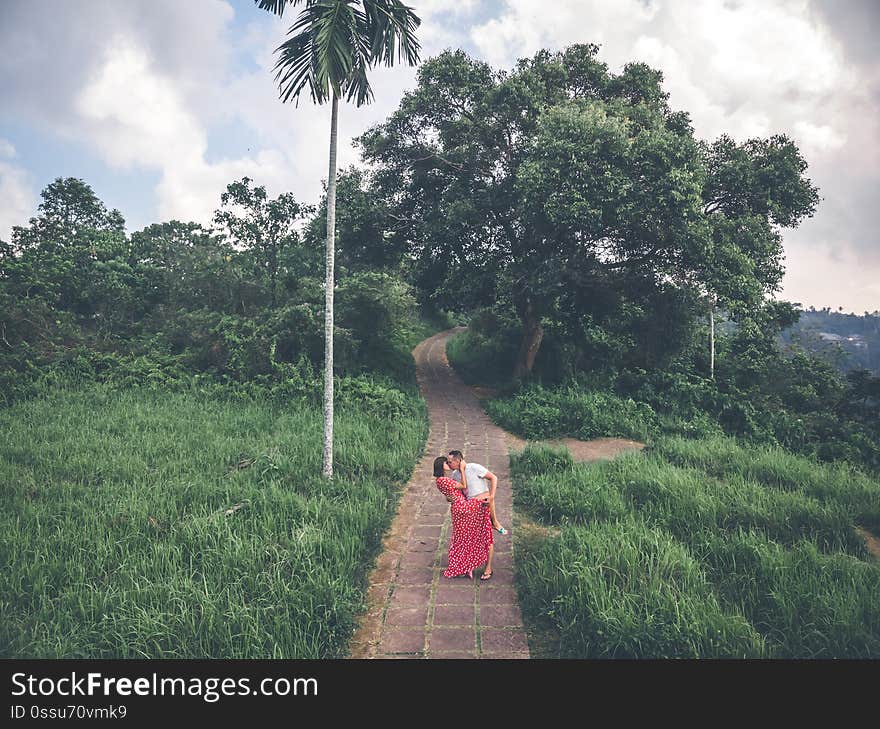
{"type": "Point", "coordinates": [376, 396]}
{"type": "Point", "coordinates": [485, 352]}
{"type": "Point", "coordinates": [536, 412]}
{"type": "Point", "coordinates": [805, 603]}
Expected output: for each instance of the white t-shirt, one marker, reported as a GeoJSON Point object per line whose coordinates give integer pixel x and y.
{"type": "Point", "coordinates": [476, 483]}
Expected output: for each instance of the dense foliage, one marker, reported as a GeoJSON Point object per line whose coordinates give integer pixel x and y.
{"type": "Point", "coordinates": [238, 305]}
{"type": "Point", "coordinates": [161, 416]}
{"type": "Point", "coordinates": [592, 242]}
{"type": "Point", "coordinates": [762, 392]}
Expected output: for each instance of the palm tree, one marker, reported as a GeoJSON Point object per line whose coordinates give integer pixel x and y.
{"type": "Point", "coordinates": [329, 49]}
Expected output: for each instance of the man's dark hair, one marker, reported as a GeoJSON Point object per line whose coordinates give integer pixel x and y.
{"type": "Point", "coordinates": [456, 454]}
{"type": "Point", "coordinates": [438, 466]}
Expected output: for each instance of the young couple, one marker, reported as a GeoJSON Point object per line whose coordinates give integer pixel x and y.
{"type": "Point", "coordinates": [470, 490]}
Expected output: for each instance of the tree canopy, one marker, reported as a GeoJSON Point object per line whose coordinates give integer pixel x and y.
{"type": "Point", "coordinates": [559, 178]}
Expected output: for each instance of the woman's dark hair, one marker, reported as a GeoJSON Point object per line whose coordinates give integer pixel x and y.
{"type": "Point", "coordinates": [438, 466]}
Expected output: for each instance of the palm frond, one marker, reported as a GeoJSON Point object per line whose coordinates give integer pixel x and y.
{"type": "Point", "coordinates": [391, 29]}
{"type": "Point", "coordinates": [296, 66]}
{"type": "Point", "coordinates": [278, 6]}
{"type": "Point", "coordinates": [333, 43]}
{"type": "Point", "coordinates": [358, 86]}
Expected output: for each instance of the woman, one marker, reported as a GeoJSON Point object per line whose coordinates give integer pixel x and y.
{"type": "Point", "coordinates": [471, 544]}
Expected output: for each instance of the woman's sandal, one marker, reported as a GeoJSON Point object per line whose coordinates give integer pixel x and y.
{"type": "Point", "coordinates": [501, 530]}
{"type": "Point", "coordinates": [486, 576]}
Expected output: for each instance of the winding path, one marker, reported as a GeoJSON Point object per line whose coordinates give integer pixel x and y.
{"type": "Point", "coordinates": [413, 611]}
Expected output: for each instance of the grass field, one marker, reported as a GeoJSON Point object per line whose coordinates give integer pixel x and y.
{"type": "Point", "coordinates": [137, 524]}
{"type": "Point", "coordinates": [701, 548]}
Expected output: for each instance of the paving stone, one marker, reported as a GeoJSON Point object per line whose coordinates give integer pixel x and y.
{"type": "Point", "coordinates": [409, 576]}
{"type": "Point", "coordinates": [450, 593]}
{"type": "Point", "coordinates": [418, 539]}
{"type": "Point", "coordinates": [453, 639]}
{"type": "Point", "coordinates": [398, 640]}
{"type": "Point", "coordinates": [499, 616]}
{"type": "Point", "coordinates": [502, 576]}
{"type": "Point", "coordinates": [500, 641]}
{"type": "Point", "coordinates": [417, 559]}
{"type": "Point", "coordinates": [410, 596]}
{"type": "Point", "coordinates": [454, 615]}
{"type": "Point", "coordinates": [502, 560]}
{"type": "Point", "coordinates": [422, 545]}
{"type": "Point", "coordinates": [503, 594]}
{"type": "Point", "coordinates": [411, 616]}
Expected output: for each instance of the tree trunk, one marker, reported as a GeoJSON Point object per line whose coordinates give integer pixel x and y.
{"type": "Point", "coordinates": [328, 297]}
{"type": "Point", "coordinates": [273, 274]}
{"type": "Point", "coordinates": [533, 333]}
{"type": "Point", "coordinates": [712, 340]}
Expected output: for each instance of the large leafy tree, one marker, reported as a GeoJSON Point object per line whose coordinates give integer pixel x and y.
{"type": "Point", "coordinates": [72, 256]}
{"type": "Point", "coordinates": [752, 191]}
{"type": "Point", "coordinates": [558, 181]}
{"type": "Point", "coordinates": [332, 45]}
{"type": "Point", "coordinates": [182, 266]}
{"type": "Point", "coordinates": [365, 239]}
{"type": "Point", "coordinates": [266, 228]}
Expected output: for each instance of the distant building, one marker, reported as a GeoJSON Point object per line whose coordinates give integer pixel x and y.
{"type": "Point", "coordinates": [857, 340]}
{"type": "Point", "coordinates": [853, 340]}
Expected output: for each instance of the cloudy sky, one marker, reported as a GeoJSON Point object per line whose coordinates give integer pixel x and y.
{"type": "Point", "coordinates": [158, 104]}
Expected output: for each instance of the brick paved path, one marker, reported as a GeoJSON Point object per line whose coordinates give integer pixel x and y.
{"type": "Point", "coordinates": [415, 612]}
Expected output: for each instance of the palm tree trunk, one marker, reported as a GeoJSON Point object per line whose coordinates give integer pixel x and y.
{"type": "Point", "coordinates": [328, 297]}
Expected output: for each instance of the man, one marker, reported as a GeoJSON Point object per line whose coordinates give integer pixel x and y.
{"type": "Point", "coordinates": [479, 480]}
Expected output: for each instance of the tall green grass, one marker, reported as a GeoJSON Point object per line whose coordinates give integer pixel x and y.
{"type": "Point", "coordinates": [138, 523]}
{"type": "Point", "coordinates": [805, 603]}
{"type": "Point", "coordinates": [622, 589]}
{"type": "Point", "coordinates": [774, 467]}
{"type": "Point", "coordinates": [773, 542]}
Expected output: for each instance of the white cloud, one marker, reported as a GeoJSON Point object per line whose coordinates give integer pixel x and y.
{"type": "Point", "coordinates": [137, 111]}
{"type": "Point", "coordinates": [301, 133]}
{"type": "Point", "coordinates": [429, 8]}
{"type": "Point", "coordinates": [817, 139]}
{"type": "Point", "coordinates": [831, 274]}
{"type": "Point", "coordinates": [138, 117]}
{"type": "Point", "coordinates": [729, 65]}
{"type": "Point", "coordinates": [17, 199]}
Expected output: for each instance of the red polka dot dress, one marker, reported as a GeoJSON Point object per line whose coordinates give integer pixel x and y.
{"type": "Point", "coordinates": [471, 530]}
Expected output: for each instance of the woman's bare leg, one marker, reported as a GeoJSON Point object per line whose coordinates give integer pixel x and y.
{"type": "Point", "coordinates": [495, 523]}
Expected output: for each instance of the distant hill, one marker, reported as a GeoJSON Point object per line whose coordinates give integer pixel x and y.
{"type": "Point", "coordinates": [850, 341]}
